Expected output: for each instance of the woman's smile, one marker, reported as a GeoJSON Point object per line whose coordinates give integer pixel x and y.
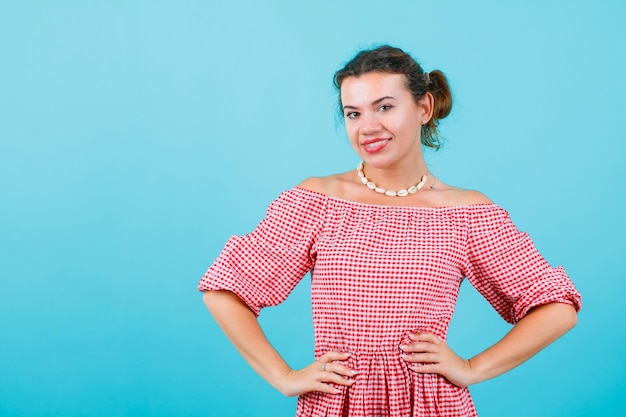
{"type": "Point", "coordinates": [375, 145]}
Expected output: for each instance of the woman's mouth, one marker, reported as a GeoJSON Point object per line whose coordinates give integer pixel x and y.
{"type": "Point", "coordinates": [375, 145]}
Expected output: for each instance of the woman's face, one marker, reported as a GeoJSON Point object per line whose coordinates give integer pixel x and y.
{"type": "Point", "coordinates": [382, 119]}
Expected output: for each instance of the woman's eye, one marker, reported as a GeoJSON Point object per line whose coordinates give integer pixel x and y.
{"type": "Point", "coordinates": [352, 115]}
{"type": "Point", "coordinates": [385, 107]}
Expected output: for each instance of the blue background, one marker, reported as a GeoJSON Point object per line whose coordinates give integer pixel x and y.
{"type": "Point", "coordinates": [136, 136]}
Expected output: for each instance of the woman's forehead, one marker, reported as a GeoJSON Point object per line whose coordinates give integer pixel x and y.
{"type": "Point", "coordinates": [372, 86]}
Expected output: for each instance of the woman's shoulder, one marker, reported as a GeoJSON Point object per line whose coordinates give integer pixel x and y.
{"type": "Point", "coordinates": [462, 197]}
{"type": "Point", "coordinates": [316, 184]}
{"type": "Point", "coordinates": [445, 195]}
{"type": "Point", "coordinates": [330, 185]}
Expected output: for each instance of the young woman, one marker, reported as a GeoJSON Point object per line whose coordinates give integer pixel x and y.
{"type": "Point", "coordinates": [388, 245]}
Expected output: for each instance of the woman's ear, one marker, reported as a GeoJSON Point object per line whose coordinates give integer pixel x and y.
{"type": "Point", "coordinates": [426, 106]}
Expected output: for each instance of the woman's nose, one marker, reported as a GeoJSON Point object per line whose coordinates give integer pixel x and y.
{"type": "Point", "coordinates": [370, 125]}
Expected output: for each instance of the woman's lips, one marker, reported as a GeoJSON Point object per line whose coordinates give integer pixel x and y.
{"type": "Point", "coordinates": [375, 145]}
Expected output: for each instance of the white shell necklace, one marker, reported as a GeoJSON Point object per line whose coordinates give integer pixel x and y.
{"type": "Point", "coordinates": [390, 193]}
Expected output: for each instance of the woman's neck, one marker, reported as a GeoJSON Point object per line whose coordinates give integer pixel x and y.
{"type": "Point", "coordinates": [400, 176]}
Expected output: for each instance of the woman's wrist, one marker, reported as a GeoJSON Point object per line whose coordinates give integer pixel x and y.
{"type": "Point", "coordinates": [474, 374]}
{"type": "Point", "coordinates": [279, 379]}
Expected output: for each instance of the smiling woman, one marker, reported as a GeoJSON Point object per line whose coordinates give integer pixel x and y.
{"type": "Point", "coordinates": [387, 265]}
{"type": "Point", "coordinates": [389, 60]}
{"type": "Point", "coordinates": [383, 121]}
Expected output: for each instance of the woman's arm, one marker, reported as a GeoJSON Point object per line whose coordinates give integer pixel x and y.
{"type": "Point", "coordinates": [537, 329]}
{"type": "Point", "coordinates": [243, 329]}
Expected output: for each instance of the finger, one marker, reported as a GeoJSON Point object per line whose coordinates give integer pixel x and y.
{"type": "Point", "coordinates": [334, 355]}
{"type": "Point", "coordinates": [419, 347]}
{"type": "Point", "coordinates": [427, 368]}
{"type": "Point", "coordinates": [337, 379]}
{"type": "Point", "coordinates": [322, 387]}
{"type": "Point", "coordinates": [425, 337]}
{"type": "Point", "coordinates": [338, 369]}
{"type": "Point", "coordinates": [420, 358]}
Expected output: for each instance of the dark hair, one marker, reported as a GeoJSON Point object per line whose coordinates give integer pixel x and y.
{"type": "Point", "coordinates": [387, 59]}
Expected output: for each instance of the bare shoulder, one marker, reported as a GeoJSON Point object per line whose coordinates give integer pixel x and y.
{"type": "Point", "coordinates": [317, 184]}
{"type": "Point", "coordinates": [331, 185]}
{"type": "Point", "coordinates": [455, 196]}
{"type": "Point", "coordinates": [470, 197]}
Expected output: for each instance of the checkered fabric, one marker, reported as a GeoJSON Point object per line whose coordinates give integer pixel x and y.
{"type": "Point", "coordinates": [379, 273]}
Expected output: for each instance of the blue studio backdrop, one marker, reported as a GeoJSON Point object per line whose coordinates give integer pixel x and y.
{"type": "Point", "coordinates": [137, 136]}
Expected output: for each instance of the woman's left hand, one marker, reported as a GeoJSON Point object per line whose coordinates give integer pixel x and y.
{"type": "Point", "coordinates": [428, 354]}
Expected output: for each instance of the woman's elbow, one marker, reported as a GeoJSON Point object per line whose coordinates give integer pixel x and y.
{"type": "Point", "coordinates": [561, 317]}
{"type": "Point", "coordinates": [572, 316]}
{"type": "Point", "coordinates": [222, 300]}
{"type": "Point", "coordinates": [565, 315]}
{"type": "Point", "coordinates": [207, 297]}
{"type": "Point", "coordinates": [215, 298]}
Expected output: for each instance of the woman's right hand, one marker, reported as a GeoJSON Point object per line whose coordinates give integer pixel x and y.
{"type": "Point", "coordinates": [242, 328]}
{"type": "Point", "coordinates": [318, 376]}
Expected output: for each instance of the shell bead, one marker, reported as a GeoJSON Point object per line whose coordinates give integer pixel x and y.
{"type": "Point", "coordinates": [391, 193]}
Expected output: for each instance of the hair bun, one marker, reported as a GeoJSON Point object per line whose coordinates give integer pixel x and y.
{"type": "Point", "coordinates": [440, 89]}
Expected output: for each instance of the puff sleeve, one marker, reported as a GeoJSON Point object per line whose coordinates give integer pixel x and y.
{"type": "Point", "coordinates": [264, 266]}
{"type": "Point", "coordinates": [506, 268]}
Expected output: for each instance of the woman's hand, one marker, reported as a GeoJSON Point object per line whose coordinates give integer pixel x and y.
{"type": "Point", "coordinates": [428, 354]}
{"type": "Point", "coordinates": [318, 376]}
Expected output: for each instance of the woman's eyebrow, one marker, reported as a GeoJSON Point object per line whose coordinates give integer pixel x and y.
{"type": "Point", "coordinates": [375, 102]}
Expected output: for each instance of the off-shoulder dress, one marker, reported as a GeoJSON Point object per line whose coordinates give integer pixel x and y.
{"type": "Point", "coordinates": [378, 273]}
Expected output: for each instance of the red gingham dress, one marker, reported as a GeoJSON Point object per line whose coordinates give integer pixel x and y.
{"type": "Point", "coordinates": [379, 273]}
